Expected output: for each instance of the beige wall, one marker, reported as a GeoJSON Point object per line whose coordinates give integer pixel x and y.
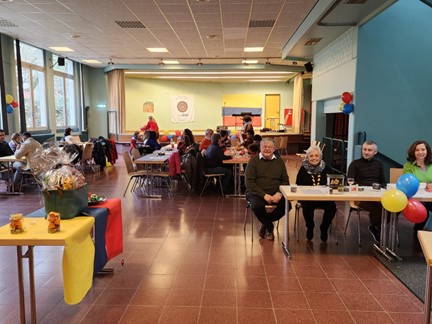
{"type": "Point", "coordinates": [207, 96]}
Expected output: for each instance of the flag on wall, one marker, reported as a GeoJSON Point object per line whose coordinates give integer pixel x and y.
{"type": "Point", "coordinates": [182, 108]}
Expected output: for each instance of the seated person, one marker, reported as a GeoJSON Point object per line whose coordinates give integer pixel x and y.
{"type": "Point", "coordinates": [253, 149]}
{"type": "Point", "coordinates": [15, 141]}
{"type": "Point", "coordinates": [313, 172]}
{"type": "Point", "coordinates": [185, 146]}
{"type": "Point", "coordinates": [225, 140]}
{"type": "Point", "coordinates": [249, 138]}
{"type": "Point", "coordinates": [213, 161]}
{"type": "Point", "coordinates": [206, 142]}
{"type": "Point", "coordinates": [5, 150]}
{"type": "Point", "coordinates": [28, 150]}
{"type": "Point", "coordinates": [366, 171]}
{"type": "Point", "coordinates": [151, 141]}
{"type": "Point", "coordinates": [189, 133]}
{"type": "Point", "coordinates": [257, 138]}
{"type": "Point", "coordinates": [264, 174]}
{"type": "Point", "coordinates": [70, 139]}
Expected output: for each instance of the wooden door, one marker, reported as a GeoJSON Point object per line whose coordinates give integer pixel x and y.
{"type": "Point", "coordinates": [272, 111]}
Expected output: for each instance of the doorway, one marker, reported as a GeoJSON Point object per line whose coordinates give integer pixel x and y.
{"type": "Point", "coordinates": [272, 111]}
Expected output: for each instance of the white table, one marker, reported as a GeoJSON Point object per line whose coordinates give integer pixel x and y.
{"type": "Point", "coordinates": [320, 193]}
{"type": "Point", "coordinates": [151, 161]}
{"type": "Point", "coordinates": [8, 161]}
{"type": "Point", "coordinates": [237, 162]}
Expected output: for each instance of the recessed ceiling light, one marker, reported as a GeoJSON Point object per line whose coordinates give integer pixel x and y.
{"type": "Point", "coordinates": [250, 61]}
{"type": "Point", "coordinates": [253, 49]}
{"type": "Point", "coordinates": [91, 61]}
{"type": "Point", "coordinates": [62, 49]}
{"type": "Point", "coordinates": [76, 35]}
{"type": "Point", "coordinates": [6, 0]}
{"type": "Point", "coordinates": [157, 49]}
{"type": "Point", "coordinates": [211, 36]}
{"type": "Point", "coordinates": [171, 62]}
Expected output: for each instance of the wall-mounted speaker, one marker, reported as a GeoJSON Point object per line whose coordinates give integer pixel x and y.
{"type": "Point", "coordinates": [61, 61]}
{"type": "Point", "coordinates": [309, 67]}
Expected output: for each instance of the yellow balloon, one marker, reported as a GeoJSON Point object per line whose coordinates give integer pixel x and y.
{"type": "Point", "coordinates": [394, 200]}
{"type": "Point", "coordinates": [9, 99]}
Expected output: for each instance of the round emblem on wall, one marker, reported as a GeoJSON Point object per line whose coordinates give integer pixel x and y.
{"type": "Point", "coordinates": [182, 106]}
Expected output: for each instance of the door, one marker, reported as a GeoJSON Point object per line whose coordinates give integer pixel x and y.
{"type": "Point", "coordinates": [272, 111]}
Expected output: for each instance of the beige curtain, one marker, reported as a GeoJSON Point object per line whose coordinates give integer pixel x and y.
{"type": "Point", "coordinates": [297, 102]}
{"type": "Point", "coordinates": [116, 98]}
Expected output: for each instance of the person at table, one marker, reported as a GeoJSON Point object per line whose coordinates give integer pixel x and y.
{"type": "Point", "coordinates": [225, 140]}
{"type": "Point", "coordinates": [206, 142]}
{"type": "Point", "coordinates": [151, 126]}
{"type": "Point", "coordinates": [15, 141]}
{"type": "Point", "coordinates": [254, 149]}
{"type": "Point", "coordinates": [313, 172]}
{"type": "Point", "coordinates": [70, 139]}
{"type": "Point", "coordinates": [264, 174]}
{"type": "Point", "coordinates": [151, 141]}
{"type": "Point", "coordinates": [213, 162]}
{"type": "Point", "coordinates": [5, 150]}
{"type": "Point", "coordinates": [420, 165]}
{"type": "Point", "coordinates": [366, 171]}
{"type": "Point", "coordinates": [28, 151]}
{"type": "Point", "coordinates": [249, 138]}
{"type": "Point", "coordinates": [257, 138]}
{"type": "Point", "coordinates": [247, 125]}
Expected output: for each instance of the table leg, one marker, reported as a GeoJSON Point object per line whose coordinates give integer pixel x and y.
{"type": "Point", "coordinates": [427, 301]}
{"type": "Point", "coordinates": [237, 181]}
{"type": "Point", "coordinates": [21, 284]}
{"type": "Point", "coordinates": [383, 237]}
{"type": "Point", "coordinates": [286, 236]}
{"type": "Point", "coordinates": [30, 257]}
{"type": "Point", "coordinates": [149, 184]}
{"type": "Point", "coordinates": [392, 237]}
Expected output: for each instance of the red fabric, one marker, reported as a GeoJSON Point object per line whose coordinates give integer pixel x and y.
{"type": "Point", "coordinates": [113, 152]}
{"type": "Point", "coordinates": [205, 144]}
{"type": "Point", "coordinates": [114, 230]}
{"type": "Point", "coordinates": [174, 164]}
{"type": "Point", "coordinates": [151, 125]}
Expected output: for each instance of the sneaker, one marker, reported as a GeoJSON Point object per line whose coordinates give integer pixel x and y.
{"type": "Point", "coordinates": [262, 231]}
{"type": "Point", "coordinates": [309, 234]}
{"type": "Point", "coordinates": [375, 234]}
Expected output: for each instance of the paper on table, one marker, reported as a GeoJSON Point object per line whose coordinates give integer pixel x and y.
{"type": "Point", "coordinates": [315, 191]}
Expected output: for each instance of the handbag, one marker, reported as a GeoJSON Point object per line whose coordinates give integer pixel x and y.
{"type": "Point", "coordinates": [69, 203]}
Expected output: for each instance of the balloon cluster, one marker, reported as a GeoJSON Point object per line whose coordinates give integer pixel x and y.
{"type": "Point", "coordinates": [346, 105]}
{"type": "Point", "coordinates": [10, 104]}
{"type": "Point", "coordinates": [400, 199]}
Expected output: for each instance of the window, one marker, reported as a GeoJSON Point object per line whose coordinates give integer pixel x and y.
{"type": "Point", "coordinates": [64, 94]}
{"type": "Point", "coordinates": [33, 73]}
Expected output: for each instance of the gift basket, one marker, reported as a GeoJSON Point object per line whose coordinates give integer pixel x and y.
{"type": "Point", "coordinates": [64, 189]}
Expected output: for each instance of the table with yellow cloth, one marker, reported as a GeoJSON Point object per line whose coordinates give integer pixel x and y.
{"type": "Point", "coordinates": [78, 255]}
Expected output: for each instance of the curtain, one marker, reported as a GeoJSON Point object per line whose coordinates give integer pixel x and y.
{"type": "Point", "coordinates": [297, 102]}
{"type": "Point", "coordinates": [116, 99]}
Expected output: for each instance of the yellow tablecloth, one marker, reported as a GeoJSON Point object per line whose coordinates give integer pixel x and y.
{"type": "Point", "coordinates": [78, 254]}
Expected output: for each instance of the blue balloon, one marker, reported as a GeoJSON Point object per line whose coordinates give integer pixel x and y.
{"type": "Point", "coordinates": [347, 109]}
{"type": "Point", "coordinates": [408, 184]}
{"type": "Point", "coordinates": [233, 137]}
{"type": "Point", "coordinates": [170, 136]}
{"type": "Point", "coordinates": [9, 109]}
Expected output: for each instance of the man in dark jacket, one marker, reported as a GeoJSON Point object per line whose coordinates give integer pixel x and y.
{"type": "Point", "coordinates": [213, 162]}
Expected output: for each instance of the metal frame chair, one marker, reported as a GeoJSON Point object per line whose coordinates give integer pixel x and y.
{"type": "Point", "coordinates": [248, 210]}
{"type": "Point", "coordinates": [137, 176]}
{"type": "Point", "coordinates": [354, 207]}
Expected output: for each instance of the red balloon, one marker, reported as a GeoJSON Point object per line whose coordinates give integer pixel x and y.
{"type": "Point", "coordinates": [178, 133]}
{"type": "Point", "coordinates": [14, 104]}
{"type": "Point", "coordinates": [347, 97]}
{"type": "Point", "coordinates": [415, 211]}
{"type": "Point", "coordinates": [164, 138]}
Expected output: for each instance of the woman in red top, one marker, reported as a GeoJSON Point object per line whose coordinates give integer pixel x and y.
{"type": "Point", "coordinates": [151, 125]}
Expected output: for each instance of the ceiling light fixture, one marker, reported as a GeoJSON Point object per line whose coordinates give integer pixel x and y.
{"type": "Point", "coordinates": [157, 50]}
{"type": "Point", "coordinates": [161, 63]}
{"type": "Point", "coordinates": [253, 49]}
{"type": "Point", "coordinates": [62, 49]}
{"type": "Point", "coordinates": [247, 62]}
{"type": "Point", "coordinates": [199, 62]}
{"type": "Point", "coordinates": [110, 62]}
{"type": "Point", "coordinates": [267, 62]}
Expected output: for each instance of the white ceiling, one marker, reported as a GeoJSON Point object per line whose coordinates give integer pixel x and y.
{"type": "Point", "coordinates": [214, 31]}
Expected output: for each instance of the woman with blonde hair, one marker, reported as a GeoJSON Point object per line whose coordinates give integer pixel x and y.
{"type": "Point", "coordinates": [15, 141]}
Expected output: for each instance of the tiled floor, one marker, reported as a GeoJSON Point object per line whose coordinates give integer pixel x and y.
{"type": "Point", "coordinates": [187, 260]}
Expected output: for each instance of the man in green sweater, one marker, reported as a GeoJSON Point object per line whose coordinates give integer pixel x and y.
{"type": "Point", "coordinates": [264, 174]}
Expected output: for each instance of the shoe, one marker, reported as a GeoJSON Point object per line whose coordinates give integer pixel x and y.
{"type": "Point", "coordinates": [270, 236]}
{"type": "Point", "coordinates": [309, 234]}
{"type": "Point", "coordinates": [375, 234]}
{"type": "Point", "coordinates": [262, 231]}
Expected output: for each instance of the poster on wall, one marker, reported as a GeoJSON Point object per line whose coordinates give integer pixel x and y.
{"type": "Point", "coordinates": [148, 107]}
{"type": "Point", "coordinates": [182, 108]}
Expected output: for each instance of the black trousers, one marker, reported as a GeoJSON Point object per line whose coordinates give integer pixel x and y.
{"type": "Point", "coordinates": [375, 211]}
{"type": "Point", "coordinates": [309, 207]}
{"type": "Point", "coordinates": [258, 207]}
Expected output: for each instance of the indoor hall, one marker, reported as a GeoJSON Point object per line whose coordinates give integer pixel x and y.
{"type": "Point", "coordinates": [188, 260]}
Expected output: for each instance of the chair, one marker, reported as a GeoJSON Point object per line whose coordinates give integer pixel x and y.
{"type": "Point", "coordinates": [277, 141]}
{"type": "Point", "coordinates": [354, 207]}
{"type": "Point", "coordinates": [269, 209]}
{"type": "Point", "coordinates": [87, 157]}
{"type": "Point", "coordinates": [29, 173]}
{"type": "Point", "coordinates": [136, 155]}
{"type": "Point", "coordinates": [297, 222]}
{"type": "Point", "coordinates": [395, 173]}
{"type": "Point", "coordinates": [137, 176]}
{"type": "Point", "coordinates": [283, 145]}
{"type": "Point", "coordinates": [208, 176]}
